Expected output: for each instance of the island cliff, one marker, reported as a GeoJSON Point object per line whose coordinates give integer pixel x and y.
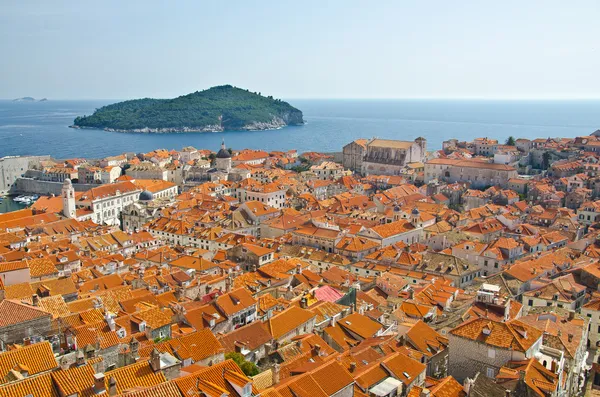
{"type": "Point", "coordinates": [222, 108]}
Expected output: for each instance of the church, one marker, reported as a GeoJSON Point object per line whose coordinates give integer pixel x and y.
{"type": "Point", "coordinates": [390, 157]}
{"type": "Point", "coordinates": [102, 204]}
{"type": "Point", "coordinates": [222, 170]}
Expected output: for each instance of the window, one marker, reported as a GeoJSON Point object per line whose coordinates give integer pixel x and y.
{"type": "Point", "coordinates": [490, 372]}
{"type": "Point", "coordinates": [491, 353]}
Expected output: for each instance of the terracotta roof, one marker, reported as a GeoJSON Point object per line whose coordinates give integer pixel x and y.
{"type": "Point", "coordinates": [201, 344]}
{"type": "Point", "coordinates": [393, 228]}
{"type": "Point", "coordinates": [514, 334]}
{"type": "Point", "coordinates": [360, 325]}
{"type": "Point", "coordinates": [134, 376]}
{"type": "Point", "coordinates": [251, 337]}
{"type": "Point", "coordinates": [108, 190]}
{"type": "Point", "coordinates": [216, 377]}
{"type": "Point", "coordinates": [13, 312]}
{"type": "Point", "coordinates": [235, 301]}
{"type": "Point", "coordinates": [425, 339]}
{"type": "Point", "coordinates": [37, 386]}
{"type": "Point", "coordinates": [36, 358]}
{"type": "Point", "coordinates": [288, 320]}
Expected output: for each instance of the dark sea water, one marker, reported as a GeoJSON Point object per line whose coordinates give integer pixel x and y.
{"type": "Point", "coordinates": [42, 127]}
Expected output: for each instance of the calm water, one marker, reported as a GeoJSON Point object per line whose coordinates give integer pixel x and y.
{"type": "Point", "coordinates": [42, 127]}
{"type": "Point", "coordinates": [8, 205]}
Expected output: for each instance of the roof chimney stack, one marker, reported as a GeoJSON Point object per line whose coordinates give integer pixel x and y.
{"type": "Point", "coordinates": [99, 386]}
{"type": "Point", "coordinates": [112, 387]}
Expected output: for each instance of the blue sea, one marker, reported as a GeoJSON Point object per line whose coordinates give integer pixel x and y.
{"type": "Point", "coordinates": [42, 127]}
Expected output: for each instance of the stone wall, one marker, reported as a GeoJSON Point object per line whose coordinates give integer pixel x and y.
{"type": "Point", "coordinates": [13, 167]}
{"type": "Point", "coordinates": [46, 188]}
{"type": "Point", "coordinates": [352, 156]}
{"type": "Point", "coordinates": [467, 357]}
{"type": "Point", "coordinates": [17, 332]}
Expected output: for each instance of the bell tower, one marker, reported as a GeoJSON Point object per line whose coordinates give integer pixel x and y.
{"type": "Point", "coordinates": [68, 198]}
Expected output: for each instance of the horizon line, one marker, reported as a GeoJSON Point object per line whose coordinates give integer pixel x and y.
{"type": "Point", "coordinates": [441, 98]}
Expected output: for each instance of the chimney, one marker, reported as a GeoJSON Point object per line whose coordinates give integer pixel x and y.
{"type": "Point", "coordinates": [64, 364]}
{"type": "Point", "coordinates": [155, 360]}
{"type": "Point", "coordinates": [506, 393]}
{"type": "Point", "coordinates": [99, 386]}
{"type": "Point", "coordinates": [352, 367]}
{"type": "Point", "coordinates": [570, 337]}
{"type": "Point", "coordinates": [80, 360]}
{"type": "Point", "coordinates": [27, 341]}
{"type": "Point", "coordinates": [571, 315]}
{"type": "Point", "coordinates": [35, 300]}
{"type": "Point", "coordinates": [134, 346]}
{"type": "Point", "coordinates": [178, 293]}
{"type": "Point", "coordinates": [110, 321]}
{"type": "Point", "coordinates": [112, 387]}
{"type": "Point", "coordinates": [238, 347]}
{"type": "Point", "coordinates": [317, 349]}
{"type": "Point", "coordinates": [303, 303]}
{"type": "Point", "coordinates": [276, 369]}
{"type": "Point", "coordinates": [298, 268]}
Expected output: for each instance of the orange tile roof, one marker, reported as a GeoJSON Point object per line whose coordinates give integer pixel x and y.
{"type": "Point", "coordinates": [75, 380]}
{"type": "Point", "coordinates": [153, 185]}
{"type": "Point", "coordinates": [168, 389]}
{"type": "Point", "coordinates": [14, 312]}
{"type": "Point", "coordinates": [134, 376]}
{"type": "Point", "coordinates": [288, 320]}
{"type": "Point", "coordinates": [514, 334]}
{"type": "Point", "coordinates": [37, 386]}
{"type": "Point", "coordinates": [356, 244]}
{"type": "Point", "coordinates": [200, 344]}
{"type": "Point", "coordinates": [235, 301]}
{"type": "Point", "coordinates": [108, 190]}
{"type": "Point", "coordinates": [37, 358]}
{"type": "Point", "coordinates": [393, 228]}
{"type": "Point", "coordinates": [215, 377]}
{"type": "Point", "coordinates": [360, 325]}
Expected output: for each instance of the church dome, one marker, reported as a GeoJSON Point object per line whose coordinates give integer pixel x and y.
{"type": "Point", "coordinates": [145, 196]}
{"type": "Point", "coordinates": [223, 153]}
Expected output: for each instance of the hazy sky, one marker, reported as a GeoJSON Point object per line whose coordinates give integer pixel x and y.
{"type": "Point", "coordinates": [301, 49]}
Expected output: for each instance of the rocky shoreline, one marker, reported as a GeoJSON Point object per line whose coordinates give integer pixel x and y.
{"type": "Point", "coordinates": [275, 124]}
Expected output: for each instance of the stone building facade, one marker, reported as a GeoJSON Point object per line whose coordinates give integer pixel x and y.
{"type": "Point", "coordinates": [479, 174]}
{"type": "Point", "coordinates": [467, 356]}
{"type": "Point", "coordinates": [353, 154]}
{"type": "Point", "coordinates": [389, 157]}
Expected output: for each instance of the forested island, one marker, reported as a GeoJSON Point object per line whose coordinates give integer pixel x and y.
{"type": "Point", "coordinates": [29, 99]}
{"type": "Point", "coordinates": [222, 108]}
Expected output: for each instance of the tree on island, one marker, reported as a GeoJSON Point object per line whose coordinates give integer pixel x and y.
{"type": "Point", "coordinates": [510, 141]}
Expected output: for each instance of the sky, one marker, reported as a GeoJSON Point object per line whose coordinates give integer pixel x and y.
{"type": "Point", "coordinates": [108, 49]}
